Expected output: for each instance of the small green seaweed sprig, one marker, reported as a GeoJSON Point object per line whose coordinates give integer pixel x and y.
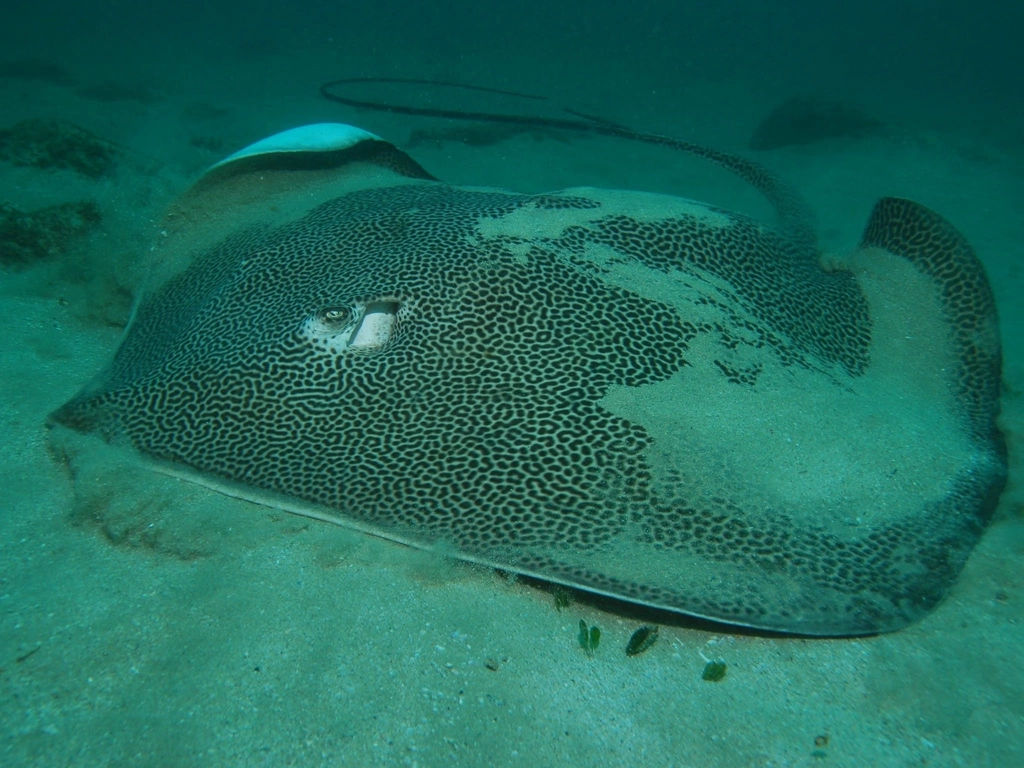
{"type": "Point", "coordinates": [642, 640]}
{"type": "Point", "coordinates": [589, 637]}
{"type": "Point", "coordinates": [714, 669]}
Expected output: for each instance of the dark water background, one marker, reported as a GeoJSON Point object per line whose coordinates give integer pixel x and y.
{"type": "Point", "coordinates": [957, 51]}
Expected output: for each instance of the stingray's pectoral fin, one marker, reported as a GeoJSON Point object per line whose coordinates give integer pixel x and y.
{"type": "Point", "coordinates": [935, 344]}
{"type": "Point", "coordinates": [965, 301]}
{"type": "Point", "coordinates": [936, 350]}
{"type": "Point", "coordinates": [895, 471]}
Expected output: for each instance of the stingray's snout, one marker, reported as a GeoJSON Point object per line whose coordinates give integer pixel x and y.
{"type": "Point", "coordinates": [83, 413]}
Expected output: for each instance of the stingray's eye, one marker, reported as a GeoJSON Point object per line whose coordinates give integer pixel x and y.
{"type": "Point", "coordinates": [335, 315]}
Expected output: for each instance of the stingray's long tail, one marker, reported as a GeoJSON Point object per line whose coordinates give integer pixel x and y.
{"type": "Point", "coordinates": [793, 212]}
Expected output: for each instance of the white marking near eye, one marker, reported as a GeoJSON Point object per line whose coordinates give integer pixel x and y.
{"type": "Point", "coordinates": [371, 325]}
{"type": "Point", "coordinates": [376, 328]}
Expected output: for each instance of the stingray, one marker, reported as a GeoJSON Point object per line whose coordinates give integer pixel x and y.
{"type": "Point", "coordinates": [633, 394]}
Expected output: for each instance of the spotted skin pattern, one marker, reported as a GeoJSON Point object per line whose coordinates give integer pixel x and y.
{"type": "Point", "coordinates": [479, 423]}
